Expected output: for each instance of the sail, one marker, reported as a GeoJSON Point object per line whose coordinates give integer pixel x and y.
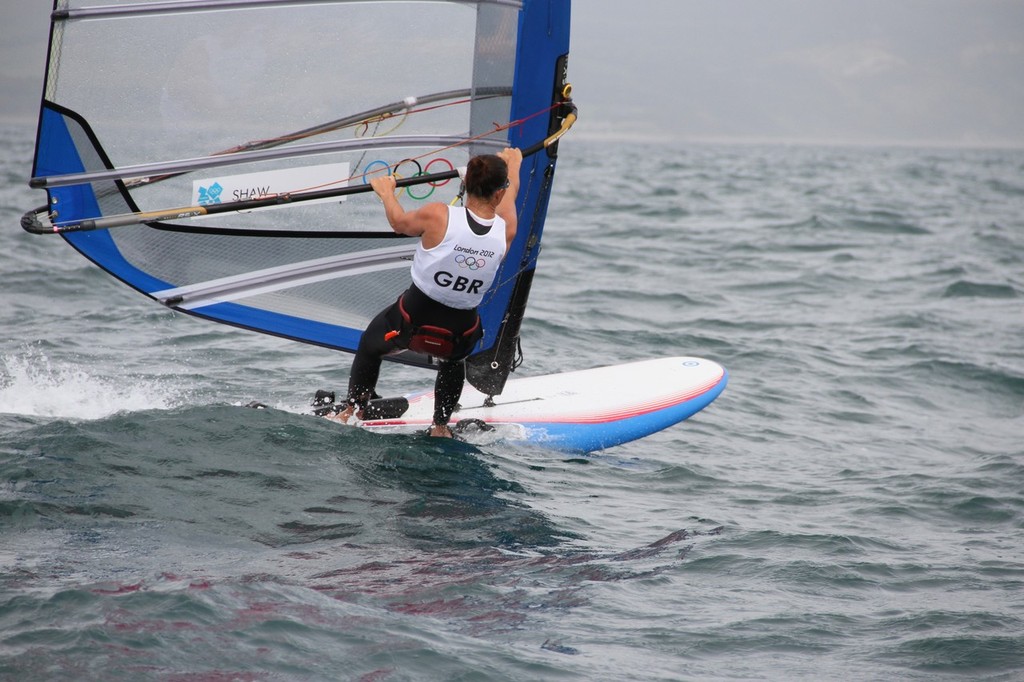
{"type": "Point", "coordinates": [215, 154]}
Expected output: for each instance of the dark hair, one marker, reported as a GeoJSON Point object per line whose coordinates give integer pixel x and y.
{"type": "Point", "coordinates": [485, 175]}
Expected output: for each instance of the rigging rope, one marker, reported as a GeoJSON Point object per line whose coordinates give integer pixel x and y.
{"type": "Point", "coordinates": [347, 122]}
{"type": "Point", "coordinates": [498, 128]}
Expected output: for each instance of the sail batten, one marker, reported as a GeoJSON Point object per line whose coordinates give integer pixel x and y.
{"type": "Point", "coordinates": [192, 6]}
{"type": "Point", "coordinates": [143, 171]}
{"type": "Point", "coordinates": [285, 277]}
{"type": "Point", "coordinates": [253, 150]}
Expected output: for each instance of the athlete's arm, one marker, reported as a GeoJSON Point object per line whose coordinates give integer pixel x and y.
{"type": "Point", "coordinates": [428, 222]}
{"type": "Point", "coordinates": [506, 208]}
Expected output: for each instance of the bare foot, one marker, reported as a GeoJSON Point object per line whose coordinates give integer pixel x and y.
{"type": "Point", "coordinates": [441, 431]}
{"type": "Point", "coordinates": [344, 415]}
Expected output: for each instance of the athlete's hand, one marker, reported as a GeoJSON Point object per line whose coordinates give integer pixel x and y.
{"type": "Point", "coordinates": [512, 157]}
{"type": "Point", "coordinates": [384, 186]}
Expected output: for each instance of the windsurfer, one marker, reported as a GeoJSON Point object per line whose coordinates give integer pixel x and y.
{"type": "Point", "coordinates": [455, 263]}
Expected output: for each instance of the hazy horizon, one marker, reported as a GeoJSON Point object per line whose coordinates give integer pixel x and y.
{"type": "Point", "coordinates": [933, 73]}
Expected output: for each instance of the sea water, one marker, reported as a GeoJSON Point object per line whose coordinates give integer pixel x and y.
{"type": "Point", "coordinates": [852, 507]}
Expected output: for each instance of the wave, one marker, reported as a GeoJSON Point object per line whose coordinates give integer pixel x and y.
{"type": "Point", "coordinates": [990, 380]}
{"type": "Point", "coordinates": [968, 289]}
{"type": "Point", "coordinates": [32, 384]}
{"type": "Point", "coordinates": [879, 221]}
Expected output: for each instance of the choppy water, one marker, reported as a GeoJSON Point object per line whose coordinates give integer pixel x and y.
{"type": "Point", "coordinates": [851, 507]}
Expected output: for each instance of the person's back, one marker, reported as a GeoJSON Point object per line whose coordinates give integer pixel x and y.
{"type": "Point", "coordinates": [456, 261]}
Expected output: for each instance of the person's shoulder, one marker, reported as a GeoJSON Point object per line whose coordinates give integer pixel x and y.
{"type": "Point", "coordinates": [435, 214]}
{"type": "Point", "coordinates": [435, 211]}
{"type": "Point", "coordinates": [435, 207]}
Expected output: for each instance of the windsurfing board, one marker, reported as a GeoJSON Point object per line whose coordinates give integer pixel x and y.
{"type": "Point", "coordinates": [580, 411]}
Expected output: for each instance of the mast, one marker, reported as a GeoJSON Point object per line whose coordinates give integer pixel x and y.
{"type": "Point", "coordinates": [541, 81]}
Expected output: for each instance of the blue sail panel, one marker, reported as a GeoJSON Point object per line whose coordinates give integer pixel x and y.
{"type": "Point", "coordinates": [56, 154]}
{"type": "Point", "coordinates": [286, 326]}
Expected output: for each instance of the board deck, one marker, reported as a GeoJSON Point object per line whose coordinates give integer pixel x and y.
{"type": "Point", "coordinates": [580, 411]}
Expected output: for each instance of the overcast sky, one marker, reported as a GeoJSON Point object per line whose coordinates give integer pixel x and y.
{"type": "Point", "coordinates": [948, 72]}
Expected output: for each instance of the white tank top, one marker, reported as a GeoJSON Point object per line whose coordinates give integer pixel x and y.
{"type": "Point", "coordinates": [458, 271]}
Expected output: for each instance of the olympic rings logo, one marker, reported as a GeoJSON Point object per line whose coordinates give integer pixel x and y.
{"type": "Point", "coordinates": [471, 262]}
{"type": "Point", "coordinates": [397, 170]}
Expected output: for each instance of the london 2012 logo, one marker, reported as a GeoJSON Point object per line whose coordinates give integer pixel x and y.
{"type": "Point", "coordinates": [470, 262]}
{"type": "Point", "coordinates": [211, 194]}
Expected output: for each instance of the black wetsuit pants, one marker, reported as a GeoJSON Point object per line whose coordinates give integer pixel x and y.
{"type": "Point", "coordinates": [375, 344]}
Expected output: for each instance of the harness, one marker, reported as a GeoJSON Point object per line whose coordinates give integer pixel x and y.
{"type": "Point", "coordinates": [430, 339]}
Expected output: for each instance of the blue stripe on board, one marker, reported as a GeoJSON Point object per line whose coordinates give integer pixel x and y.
{"type": "Point", "coordinates": [590, 437]}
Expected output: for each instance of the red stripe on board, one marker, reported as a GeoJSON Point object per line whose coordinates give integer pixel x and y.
{"type": "Point", "coordinates": [595, 418]}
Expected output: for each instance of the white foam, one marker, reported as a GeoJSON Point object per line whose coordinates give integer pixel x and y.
{"type": "Point", "coordinates": [31, 384]}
